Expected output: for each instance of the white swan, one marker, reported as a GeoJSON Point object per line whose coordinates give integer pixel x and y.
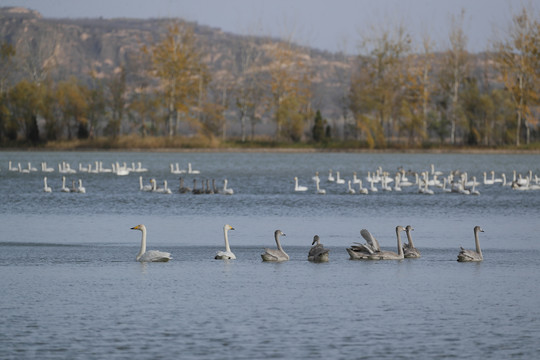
{"type": "Point", "coordinates": [44, 167]}
{"type": "Point", "coordinates": [46, 188]}
{"type": "Point", "coordinates": [397, 185]}
{"type": "Point", "coordinates": [147, 187]}
{"type": "Point", "coordinates": [316, 177]}
{"type": "Point", "coordinates": [433, 172]}
{"type": "Point", "coordinates": [64, 188]}
{"type": "Point", "coordinates": [298, 187]}
{"type": "Point", "coordinates": [140, 168]}
{"type": "Point", "coordinates": [151, 255]}
{"type": "Point", "coordinates": [350, 190]}
{"type": "Point", "coordinates": [339, 180]}
{"type": "Point", "coordinates": [227, 254]}
{"type": "Point", "coordinates": [495, 180]}
{"type": "Point", "coordinates": [469, 255]}
{"type": "Point", "coordinates": [390, 255]}
{"type": "Point", "coordinates": [275, 254]}
{"type": "Point", "coordinates": [427, 190]}
{"type": "Point", "coordinates": [355, 180]}
{"type": "Point", "coordinates": [362, 190]}
{"type": "Point", "coordinates": [317, 253]}
{"type": "Point", "coordinates": [444, 188]}
{"type": "Point", "coordinates": [473, 191]}
{"type": "Point", "coordinates": [372, 187]}
{"type": "Point", "coordinates": [165, 189]}
{"type": "Point", "coordinates": [318, 190]}
{"type": "Point", "coordinates": [80, 188]}
{"type": "Point", "coordinates": [12, 168]}
{"type": "Point", "coordinates": [330, 176]}
{"type": "Point", "coordinates": [191, 171]}
{"type": "Point", "coordinates": [409, 251]}
{"type": "Point", "coordinates": [226, 190]}
{"type": "Point", "coordinates": [360, 251]}
{"type": "Point", "coordinates": [488, 181]}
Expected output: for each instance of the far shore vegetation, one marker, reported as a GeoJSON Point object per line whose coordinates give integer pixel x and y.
{"type": "Point", "coordinates": [397, 94]}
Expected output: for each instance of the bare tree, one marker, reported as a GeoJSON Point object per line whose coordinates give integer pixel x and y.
{"type": "Point", "coordinates": [518, 61]}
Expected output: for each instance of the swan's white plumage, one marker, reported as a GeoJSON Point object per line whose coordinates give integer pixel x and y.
{"type": "Point", "coordinates": [151, 255]}
{"type": "Point", "coordinates": [227, 254]}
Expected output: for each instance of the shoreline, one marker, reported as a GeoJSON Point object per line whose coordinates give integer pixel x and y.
{"type": "Point", "coordinates": [283, 150]}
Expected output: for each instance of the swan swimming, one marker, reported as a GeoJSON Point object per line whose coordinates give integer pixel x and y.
{"type": "Point", "coordinates": [470, 255]}
{"type": "Point", "coordinates": [362, 251]}
{"type": "Point", "coordinates": [64, 188]}
{"type": "Point", "coordinates": [339, 180]}
{"type": "Point", "coordinates": [81, 189]}
{"type": "Point", "coordinates": [390, 255]}
{"type": "Point", "coordinates": [191, 171]}
{"type": "Point", "coordinates": [46, 188]}
{"type": "Point", "coordinates": [275, 254]}
{"type": "Point", "coordinates": [147, 187]}
{"type": "Point", "coordinates": [319, 190]}
{"type": "Point", "coordinates": [409, 250]}
{"type": "Point", "coordinates": [226, 190]}
{"type": "Point", "coordinates": [298, 187]}
{"type": "Point", "coordinates": [362, 190]}
{"type": "Point", "coordinates": [227, 254]}
{"type": "Point", "coordinates": [317, 253]}
{"type": "Point", "coordinates": [151, 255]}
{"type": "Point", "coordinates": [350, 190]}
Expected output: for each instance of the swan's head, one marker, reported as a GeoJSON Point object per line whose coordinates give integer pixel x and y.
{"type": "Point", "coordinates": [408, 228]}
{"type": "Point", "coordinates": [400, 228]}
{"type": "Point", "coordinates": [228, 227]}
{"type": "Point", "coordinates": [279, 233]}
{"type": "Point", "coordinates": [315, 240]}
{"type": "Point", "coordinates": [139, 227]}
{"type": "Point", "coordinates": [478, 228]}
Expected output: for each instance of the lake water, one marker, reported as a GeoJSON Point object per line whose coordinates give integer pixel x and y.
{"type": "Point", "coordinates": [72, 288]}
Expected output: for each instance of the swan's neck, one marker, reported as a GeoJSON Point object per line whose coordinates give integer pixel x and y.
{"type": "Point", "coordinates": [140, 182]}
{"type": "Point", "coordinates": [143, 244]}
{"type": "Point", "coordinates": [409, 238]}
{"type": "Point", "coordinates": [227, 247]}
{"type": "Point", "coordinates": [477, 242]}
{"type": "Point", "coordinates": [400, 249]}
{"type": "Point", "coordinates": [278, 243]}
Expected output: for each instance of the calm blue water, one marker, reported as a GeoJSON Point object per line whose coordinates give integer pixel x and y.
{"type": "Point", "coordinates": [72, 287]}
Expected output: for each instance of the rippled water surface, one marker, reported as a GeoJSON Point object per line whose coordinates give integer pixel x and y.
{"type": "Point", "coordinates": [72, 288]}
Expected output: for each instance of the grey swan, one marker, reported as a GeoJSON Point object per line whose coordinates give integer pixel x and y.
{"type": "Point", "coordinates": [317, 253]}
{"type": "Point", "coordinates": [409, 250]}
{"type": "Point", "coordinates": [470, 255]}
{"type": "Point", "coordinates": [275, 254]}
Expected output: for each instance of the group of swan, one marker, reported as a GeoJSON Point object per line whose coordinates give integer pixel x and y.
{"type": "Point", "coordinates": [175, 169]}
{"type": "Point", "coordinates": [318, 253]}
{"type": "Point", "coordinates": [454, 182]}
{"type": "Point", "coordinates": [74, 189]}
{"type": "Point", "coordinates": [372, 251]}
{"type": "Point", "coordinates": [205, 189]}
{"type": "Point", "coordinates": [65, 168]}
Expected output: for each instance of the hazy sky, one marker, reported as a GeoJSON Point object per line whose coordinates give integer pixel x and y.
{"type": "Point", "coordinates": [325, 24]}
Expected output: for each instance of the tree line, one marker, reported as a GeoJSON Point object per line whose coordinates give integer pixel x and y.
{"type": "Point", "coordinates": [395, 94]}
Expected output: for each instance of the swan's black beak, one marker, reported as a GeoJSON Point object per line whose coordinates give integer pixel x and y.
{"type": "Point", "coordinates": [135, 227]}
{"type": "Point", "coordinates": [232, 228]}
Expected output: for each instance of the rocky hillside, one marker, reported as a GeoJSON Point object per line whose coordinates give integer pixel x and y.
{"type": "Point", "coordinates": [77, 47]}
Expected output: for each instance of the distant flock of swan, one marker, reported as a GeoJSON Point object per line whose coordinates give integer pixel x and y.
{"type": "Point", "coordinates": [424, 182]}
{"type": "Point", "coordinates": [453, 182]}
{"type": "Point", "coordinates": [318, 253]}
{"type": "Point", "coordinates": [207, 186]}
